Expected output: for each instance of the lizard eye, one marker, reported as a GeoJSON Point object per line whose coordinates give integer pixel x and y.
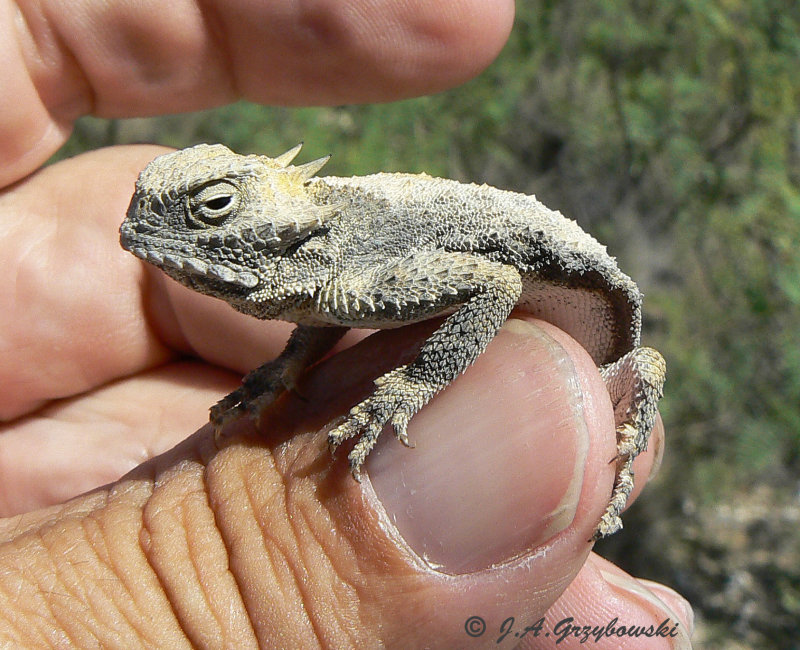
{"type": "Point", "coordinates": [213, 204]}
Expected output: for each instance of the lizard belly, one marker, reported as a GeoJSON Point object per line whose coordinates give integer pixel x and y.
{"type": "Point", "coordinates": [381, 318]}
{"type": "Point", "coordinates": [585, 314]}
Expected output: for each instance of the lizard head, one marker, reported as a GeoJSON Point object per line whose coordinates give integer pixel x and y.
{"type": "Point", "coordinates": [208, 217]}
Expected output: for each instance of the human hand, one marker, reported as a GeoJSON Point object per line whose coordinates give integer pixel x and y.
{"type": "Point", "coordinates": [107, 363]}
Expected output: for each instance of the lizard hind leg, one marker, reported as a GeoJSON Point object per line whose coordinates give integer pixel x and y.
{"type": "Point", "coordinates": [635, 383]}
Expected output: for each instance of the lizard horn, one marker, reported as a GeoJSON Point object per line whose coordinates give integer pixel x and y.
{"type": "Point", "coordinates": [285, 158]}
{"type": "Point", "coordinates": [306, 171]}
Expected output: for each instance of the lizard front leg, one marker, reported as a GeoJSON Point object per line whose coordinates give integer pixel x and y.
{"type": "Point", "coordinates": [263, 385]}
{"type": "Point", "coordinates": [488, 291]}
{"type": "Point", "coordinates": [635, 383]}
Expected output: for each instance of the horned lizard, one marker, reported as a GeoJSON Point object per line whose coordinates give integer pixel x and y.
{"type": "Point", "coordinates": [385, 250]}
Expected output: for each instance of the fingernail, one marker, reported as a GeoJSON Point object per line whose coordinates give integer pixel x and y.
{"type": "Point", "coordinates": [499, 456]}
{"type": "Point", "coordinates": [666, 619]}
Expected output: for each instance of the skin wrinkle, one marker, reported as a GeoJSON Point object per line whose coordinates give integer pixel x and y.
{"type": "Point", "coordinates": [292, 566]}
{"type": "Point", "coordinates": [194, 557]}
{"type": "Point", "coordinates": [158, 578]}
{"type": "Point", "coordinates": [228, 551]}
{"type": "Point", "coordinates": [26, 522]}
{"type": "Point", "coordinates": [36, 573]}
{"type": "Point", "coordinates": [343, 596]}
{"type": "Point", "coordinates": [274, 548]}
{"type": "Point", "coordinates": [15, 597]}
{"type": "Point", "coordinates": [41, 629]}
{"type": "Point", "coordinates": [308, 553]}
{"type": "Point", "coordinates": [162, 578]}
{"type": "Point", "coordinates": [145, 544]}
{"type": "Point", "coordinates": [108, 613]}
{"type": "Point", "coordinates": [95, 590]}
{"type": "Point", "coordinates": [74, 589]}
{"type": "Point", "coordinates": [262, 528]}
{"type": "Point", "coordinates": [39, 626]}
{"type": "Point", "coordinates": [121, 499]}
{"type": "Point", "coordinates": [194, 553]}
{"type": "Point", "coordinates": [29, 573]}
{"type": "Point", "coordinates": [303, 581]}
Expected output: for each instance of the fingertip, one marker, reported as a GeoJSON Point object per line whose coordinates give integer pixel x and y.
{"type": "Point", "coordinates": [674, 601]}
{"type": "Point", "coordinates": [620, 609]}
{"type": "Point", "coordinates": [116, 60]}
{"type": "Point", "coordinates": [453, 42]}
{"type": "Point", "coordinates": [647, 464]}
{"type": "Point", "coordinates": [334, 53]}
{"type": "Point", "coordinates": [497, 473]}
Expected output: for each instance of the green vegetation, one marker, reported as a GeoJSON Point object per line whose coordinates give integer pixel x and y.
{"type": "Point", "coordinates": [672, 132]}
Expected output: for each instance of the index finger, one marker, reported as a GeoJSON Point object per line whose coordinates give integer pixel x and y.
{"type": "Point", "coordinates": [121, 59]}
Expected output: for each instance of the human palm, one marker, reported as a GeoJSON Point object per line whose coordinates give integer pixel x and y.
{"type": "Point", "coordinates": [106, 364]}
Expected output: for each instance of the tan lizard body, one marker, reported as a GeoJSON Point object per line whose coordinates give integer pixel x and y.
{"type": "Point", "coordinates": [383, 251]}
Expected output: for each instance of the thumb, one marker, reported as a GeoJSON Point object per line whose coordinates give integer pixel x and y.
{"type": "Point", "coordinates": [490, 515]}
{"type": "Point", "coordinates": [268, 541]}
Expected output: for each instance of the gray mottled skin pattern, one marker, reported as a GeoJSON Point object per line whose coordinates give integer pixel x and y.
{"type": "Point", "coordinates": [381, 251]}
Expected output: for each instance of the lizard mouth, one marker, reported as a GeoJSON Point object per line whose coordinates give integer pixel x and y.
{"type": "Point", "coordinates": [196, 270]}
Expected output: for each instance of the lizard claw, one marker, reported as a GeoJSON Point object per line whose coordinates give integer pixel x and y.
{"type": "Point", "coordinates": [229, 408]}
{"type": "Point", "coordinates": [394, 402]}
{"type": "Point", "coordinates": [355, 471]}
{"type": "Point", "coordinates": [400, 426]}
{"type": "Point", "coordinates": [335, 436]}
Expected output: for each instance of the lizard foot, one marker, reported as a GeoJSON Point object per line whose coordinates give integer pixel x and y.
{"type": "Point", "coordinates": [396, 399]}
{"type": "Point", "coordinates": [249, 399]}
{"type": "Point", "coordinates": [228, 409]}
{"type": "Point", "coordinates": [635, 383]}
{"type": "Point", "coordinates": [611, 521]}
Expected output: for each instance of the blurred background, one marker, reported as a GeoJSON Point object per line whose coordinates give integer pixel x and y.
{"type": "Point", "coordinates": [671, 132]}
